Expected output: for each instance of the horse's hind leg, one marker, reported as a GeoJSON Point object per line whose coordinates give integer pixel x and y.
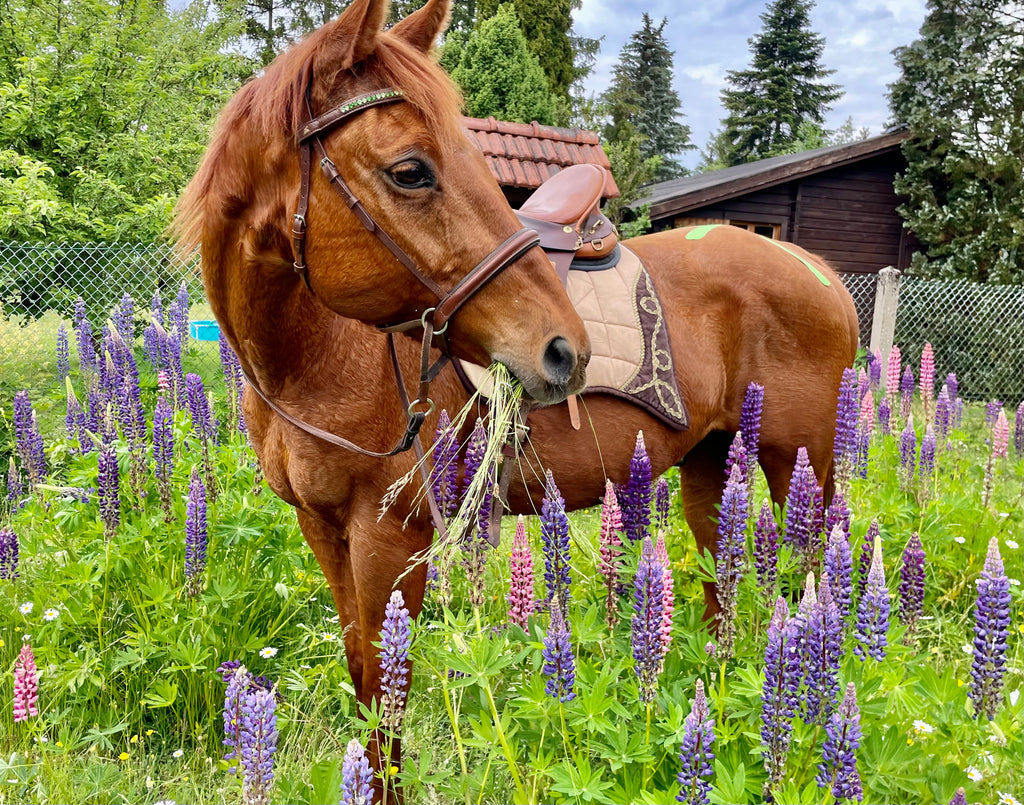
{"type": "Point", "coordinates": [702, 481]}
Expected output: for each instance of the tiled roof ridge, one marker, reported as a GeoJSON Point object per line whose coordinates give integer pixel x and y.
{"type": "Point", "coordinates": [533, 129]}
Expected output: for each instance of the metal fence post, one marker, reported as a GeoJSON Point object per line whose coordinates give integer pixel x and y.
{"type": "Point", "coordinates": [883, 325]}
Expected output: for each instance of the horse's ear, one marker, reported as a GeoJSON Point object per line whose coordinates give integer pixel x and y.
{"type": "Point", "coordinates": [357, 31]}
{"type": "Point", "coordinates": [421, 28]}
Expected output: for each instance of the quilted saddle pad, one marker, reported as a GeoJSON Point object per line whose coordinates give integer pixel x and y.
{"type": "Point", "coordinates": [631, 354]}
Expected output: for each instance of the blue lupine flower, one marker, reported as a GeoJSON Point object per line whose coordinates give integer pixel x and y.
{"type": "Point", "coordinates": [444, 474]}
{"type": "Point", "coordinates": [395, 641]}
{"type": "Point", "coordinates": [873, 611]}
{"type": "Point", "coordinates": [662, 502]}
{"type": "Point", "coordinates": [838, 771]}
{"type": "Point", "coordinates": [63, 357]}
{"type": "Point", "coordinates": [730, 562]}
{"type": "Point", "coordinates": [780, 695]}
{"type": "Point", "coordinates": [695, 755]}
{"type": "Point", "coordinates": [838, 566]}
{"type": "Point", "coordinates": [911, 600]}
{"type": "Point", "coordinates": [28, 440]}
{"type": "Point", "coordinates": [991, 630]}
{"type": "Point", "coordinates": [554, 535]}
{"type": "Point", "coordinates": [8, 554]}
{"type": "Point", "coordinates": [203, 422]}
{"type": "Point", "coordinates": [820, 635]}
{"type": "Point", "coordinates": [239, 681]}
{"type": "Point", "coordinates": [908, 454]}
{"type": "Point", "coordinates": [864, 557]}
{"type": "Point", "coordinates": [257, 745]}
{"type": "Point", "coordinates": [635, 497]}
{"type": "Point", "coordinates": [648, 610]}
{"type": "Point", "coordinates": [750, 425]}
{"type": "Point", "coordinates": [766, 550]}
{"type": "Point", "coordinates": [926, 465]}
{"type": "Point", "coordinates": [884, 415]}
{"type": "Point", "coordinates": [356, 776]}
{"type": "Point", "coordinates": [195, 533]}
{"type": "Point", "coordinates": [124, 319]}
{"type": "Point", "coordinates": [559, 662]}
{"type": "Point", "coordinates": [845, 442]}
{"type": "Point", "coordinates": [108, 486]}
{"type": "Point", "coordinates": [800, 508]}
{"type": "Point", "coordinates": [737, 455]}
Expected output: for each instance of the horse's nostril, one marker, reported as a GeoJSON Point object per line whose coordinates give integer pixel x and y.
{"type": "Point", "coordinates": [559, 361]}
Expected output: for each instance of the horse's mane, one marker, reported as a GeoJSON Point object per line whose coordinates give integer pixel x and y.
{"type": "Point", "coordinates": [273, 106]}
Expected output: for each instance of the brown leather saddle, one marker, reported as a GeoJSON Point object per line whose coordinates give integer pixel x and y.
{"type": "Point", "coordinates": [566, 212]}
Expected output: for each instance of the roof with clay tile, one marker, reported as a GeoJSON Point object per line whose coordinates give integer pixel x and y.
{"type": "Point", "coordinates": [526, 154]}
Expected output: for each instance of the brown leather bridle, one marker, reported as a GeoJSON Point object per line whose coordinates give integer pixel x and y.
{"type": "Point", "coordinates": [434, 320]}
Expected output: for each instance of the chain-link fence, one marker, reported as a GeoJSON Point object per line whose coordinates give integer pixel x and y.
{"type": "Point", "coordinates": [976, 330]}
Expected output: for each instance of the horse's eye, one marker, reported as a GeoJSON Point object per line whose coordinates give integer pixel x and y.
{"type": "Point", "coordinates": [412, 174]}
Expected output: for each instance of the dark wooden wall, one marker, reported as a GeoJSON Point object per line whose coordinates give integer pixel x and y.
{"type": "Point", "coordinates": [846, 214]}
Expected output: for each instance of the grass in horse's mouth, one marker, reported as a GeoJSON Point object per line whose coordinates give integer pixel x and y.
{"type": "Point", "coordinates": [503, 406]}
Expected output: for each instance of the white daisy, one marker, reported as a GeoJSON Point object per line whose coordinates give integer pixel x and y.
{"type": "Point", "coordinates": [959, 540]}
{"type": "Point", "coordinates": [1008, 799]}
{"type": "Point", "coordinates": [26, 608]}
{"type": "Point", "coordinates": [923, 727]}
{"type": "Point", "coordinates": [1012, 544]}
{"type": "Point", "coordinates": [1014, 696]}
{"type": "Point", "coordinates": [178, 753]}
{"type": "Point", "coordinates": [328, 636]}
{"type": "Point", "coordinates": [973, 773]}
{"type": "Point", "coordinates": [967, 649]}
{"type": "Point", "coordinates": [269, 651]}
{"type": "Point", "coordinates": [50, 614]}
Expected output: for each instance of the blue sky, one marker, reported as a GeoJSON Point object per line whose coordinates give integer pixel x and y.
{"type": "Point", "coordinates": [710, 38]}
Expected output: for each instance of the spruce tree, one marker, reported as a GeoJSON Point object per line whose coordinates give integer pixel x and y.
{"type": "Point", "coordinates": [782, 89]}
{"type": "Point", "coordinates": [641, 101]}
{"type": "Point", "coordinates": [961, 92]}
{"type": "Point", "coordinates": [499, 75]}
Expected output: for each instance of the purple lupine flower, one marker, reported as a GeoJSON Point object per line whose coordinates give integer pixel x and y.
{"type": "Point", "coordinates": [864, 557]}
{"type": "Point", "coordinates": [943, 415]}
{"type": "Point", "coordinates": [884, 416]}
{"type": "Point", "coordinates": [750, 425]}
{"type": "Point", "coordinates": [444, 474]}
{"type": "Point", "coordinates": [239, 681]}
{"type": "Point", "coordinates": [780, 693]}
{"type": "Point", "coordinates": [181, 306]}
{"type": "Point", "coordinates": [991, 630]}
{"type": "Point", "coordinates": [730, 561]}
{"type": "Point", "coordinates": [203, 422]}
{"type": "Point", "coordinates": [635, 498]}
{"type": "Point", "coordinates": [257, 745]}
{"type": "Point", "coordinates": [124, 319]}
{"type": "Point", "coordinates": [821, 638]}
{"type": "Point", "coordinates": [863, 385]}
{"type": "Point", "coordinates": [610, 548]}
{"type": "Point", "coordinates": [838, 566]}
{"type": "Point", "coordinates": [838, 515]}
{"type": "Point", "coordinates": [926, 463]}
{"type": "Point", "coordinates": [26, 685]}
{"type": "Point", "coordinates": [662, 502]}
{"type": "Point", "coordinates": [559, 662]}
{"type": "Point", "coordinates": [927, 380]}
{"type": "Point", "coordinates": [865, 429]}
{"type": "Point", "coordinates": [844, 446]}
{"type": "Point", "coordinates": [838, 770]}
{"type": "Point", "coordinates": [873, 611]}
{"type": "Point", "coordinates": [156, 308]}
{"type": "Point", "coordinates": [15, 488]}
{"type": "Point", "coordinates": [800, 504]}
{"type": "Point", "coordinates": [1000, 435]}
{"type": "Point", "coordinates": [957, 409]}
{"type": "Point", "coordinates": [108, 485]}
{"type": "Point", "coordinates": [63, 357]}
{"type": "Point", "coordinates": [395, 641]}
{"type": "Point", "coordinates": [520, 596]}
{"type": "Point", "coordinates": [959, 798]}
{"type": "Point", "coordinates": [892, 372]}
{"type": "Point", "coordinates": [992, 410]}
{"type": "Point", "coordinates": [83, 333]}
{"type": "Point", "coordinates": [28, 439]}
{"type": "Point", "coordinates": [737, 456]}
{"type": "Point", "coordinates": [152, 344]}
{"type": "Point", "coordinates": [766, 550]}
{"type": "Point", "coordinates": [131, 415]}
{"type": "Point", "coordinates": [874, 369]}
{"type": "Point", "coordinates": [356, 776]}
{"type": "Point", "coordinates": [195, 533]}
{"type": "Point", "coordinates": [95, 413]}
{"type": "Point", "coordinates": [695, 755]}
{"type": "Point", "coordinates": [227, 669]}
{"type": "Point", "coordinates": [554, 535]}
{"type": "Point", "coordinates": [1018, 430]}
{"type": "Point", "coordinates": [911, 600]}
{"type": "Point", "coordinates": [906, 392]}
{"type": "Point", "coordinates": [8, 554]}
{"type": "Point", "coordinates": [163, 440]}
{"type": "Point", "coordinates": [175, 372]}
{"type": "Point", "coordinates": [908, 454]}
{"type": "Point", "coordinates": [648, 598]}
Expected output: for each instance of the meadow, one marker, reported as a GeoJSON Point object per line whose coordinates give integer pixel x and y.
{"type": "Point", "coordinates": [129, 615]}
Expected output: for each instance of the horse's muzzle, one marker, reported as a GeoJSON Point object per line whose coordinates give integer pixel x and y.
{"type": "Point", "coordinates": [561, 371]}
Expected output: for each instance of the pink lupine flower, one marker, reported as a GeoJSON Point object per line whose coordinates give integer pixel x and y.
{"type": "Point", "coordinates": [894, 372]}
{"type": "Point", "coordinates": [1000, 435]}
{"type": "Point", "coordinates": [520, 597]}
{"type": "Point", "coordinates": [26, 685]}
{"type": "Point", "coordinates": [927, 379]}
{"type": "Point", "coordinates": [610, 546]}
{"type": "Point", "coordinates": [668, 595]}
{"type": "Point", "coordinates": [867, 414]}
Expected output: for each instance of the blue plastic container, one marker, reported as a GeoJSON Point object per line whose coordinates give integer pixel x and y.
{"type": "Point", "coordinates": [204, 330]}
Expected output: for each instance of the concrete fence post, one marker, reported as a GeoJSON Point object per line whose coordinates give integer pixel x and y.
{"type": "Point", "coordinates": [883, 325]}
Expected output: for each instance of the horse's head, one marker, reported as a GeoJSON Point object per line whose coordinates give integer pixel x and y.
{"type": "Point", "coordinates": [415, 173]}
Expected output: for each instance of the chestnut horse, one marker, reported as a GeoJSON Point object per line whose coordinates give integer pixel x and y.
{"type": "Point", "coordinates": [739, 309]}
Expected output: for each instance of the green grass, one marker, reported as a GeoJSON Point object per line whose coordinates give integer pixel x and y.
{"type": "Point", "coordinates": [128, 667]}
